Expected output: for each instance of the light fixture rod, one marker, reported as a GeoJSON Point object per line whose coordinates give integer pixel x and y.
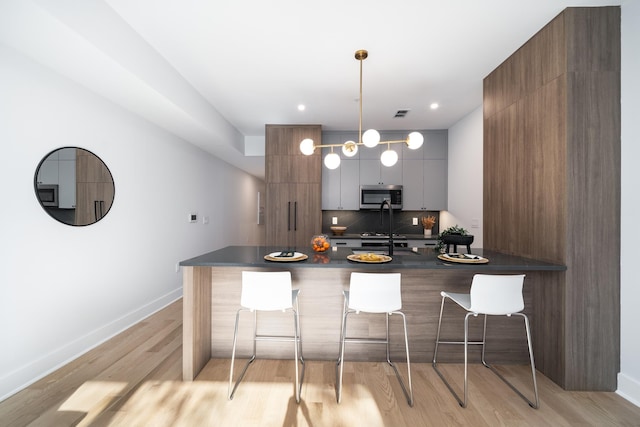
{"type": "Point", "coordinates": [361, 55]}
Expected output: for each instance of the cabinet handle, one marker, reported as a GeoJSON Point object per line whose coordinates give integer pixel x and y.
{"type": "Point", "coordinates": [288, 216]}
{"type": "Point", "coordinates": [98, 209]}
{"type": "Point", "coordinates": [295, 216]}
{"type": "Point", "coordinates": [341, 243]}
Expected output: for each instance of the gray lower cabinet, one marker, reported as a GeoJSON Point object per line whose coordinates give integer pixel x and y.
{"type": "Point", "coordinates": [421, 243]}
{"type": "Point", "coordinates": [347, 243]}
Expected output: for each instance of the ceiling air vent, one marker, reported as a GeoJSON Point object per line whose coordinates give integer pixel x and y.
{"type": "Point", "coordinates": [401, 113]}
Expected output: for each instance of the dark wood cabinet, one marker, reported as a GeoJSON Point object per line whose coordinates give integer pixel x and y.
{"type": "Point", "coordinates": [552, 187]}
{"type": "Point", "coordinates": [293, 181]}
{"type": "Point", "coordinates": [94, 188]}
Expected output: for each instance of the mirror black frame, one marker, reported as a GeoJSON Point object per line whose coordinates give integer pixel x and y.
{"type": "Point", "coordinates": [96, 186]}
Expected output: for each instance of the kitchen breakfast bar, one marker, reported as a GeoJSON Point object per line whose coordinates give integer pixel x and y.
{"type": "Point", "coordinates": [212, 284]}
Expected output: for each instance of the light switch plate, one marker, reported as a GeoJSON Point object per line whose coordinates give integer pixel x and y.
{"type": "Point", "coordinates": [415, 221]}
{"type": "Point", "coordinates": [334, 220]}
{"type": "Point", "coordinates": [193, 217]}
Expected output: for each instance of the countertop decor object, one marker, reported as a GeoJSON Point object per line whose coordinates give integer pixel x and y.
{"type": "Point", "coordinates": [286, 257]}
{"type": "Point", "coordinates": [463, 258]}
{"type": "Point", "coordinates": [320, 243]}
{"type": "Point", "coordinates": [455, 236]}
{"type": "Point", "coordinates": [428, 222]}
{"type": "Point", "coordinates": [338, 230]}
{"type": "Point", "coordinates": [369, 258]}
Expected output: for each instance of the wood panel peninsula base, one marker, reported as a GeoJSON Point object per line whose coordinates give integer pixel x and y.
{"type": "Point", "coordinates": [212, 283]}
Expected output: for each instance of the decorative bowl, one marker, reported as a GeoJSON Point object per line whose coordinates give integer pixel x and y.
{"type": "Point", "coordinates": [320, 243]}
{"type": "Point", "coordinates": [338, 230]}
{"type": "Point", "coordinates": [457, 239]}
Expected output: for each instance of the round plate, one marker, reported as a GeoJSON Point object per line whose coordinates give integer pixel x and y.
{"type": "Point", "coordinates": [463, 259]}
{"type": "Point", "coordinates": [356, 258]}
{"type": "Point", "coordinates": [297, 256]}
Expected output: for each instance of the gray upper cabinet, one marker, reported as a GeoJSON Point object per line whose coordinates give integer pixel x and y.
{"type": "Point", "coordinates": [373, 172]}
{"type": "Point", "coordinates": [424, 179]}
{"type": "Point", "coordinates": [341, 186]}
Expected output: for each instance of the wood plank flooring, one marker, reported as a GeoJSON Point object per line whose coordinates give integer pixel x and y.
{"type": "Point", "coordinates": [134, 379]}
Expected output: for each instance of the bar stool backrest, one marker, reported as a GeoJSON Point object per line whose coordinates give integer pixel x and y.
{"type": "Point", "coordinates": [497, 294]}
{"type": "Point", "coordinates": [266, 290]}
{"type": "Point", "coordinates": [375, 292]}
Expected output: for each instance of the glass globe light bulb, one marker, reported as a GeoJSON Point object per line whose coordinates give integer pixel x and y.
{"type": "Point", "coordinates": [371, 138]}
{"type": "Point", "coordinates": [349, 148]}
{"type": "Point", "coordinates": [307, 147]}
{"type": "Point", "coordinates": [332, 160]}
{"type": "Point", "coordinates": [415, 140]}
{"type": "Point", "coordinates": [389, 158]}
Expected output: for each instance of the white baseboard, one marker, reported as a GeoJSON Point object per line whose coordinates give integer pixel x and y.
{"type": "Point", "coordinates": [26, 375]}
{"type": "Point", "coordinates": [629, 388]}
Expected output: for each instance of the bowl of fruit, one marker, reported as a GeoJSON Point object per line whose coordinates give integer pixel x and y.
{"type": "Point", "coordinates": [320, 243]}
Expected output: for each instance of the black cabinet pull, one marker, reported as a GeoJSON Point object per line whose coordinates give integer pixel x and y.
{"type": "Point", "coordinates": [288, 216]}
{"type": "Point", "coordinates": [295, 216]}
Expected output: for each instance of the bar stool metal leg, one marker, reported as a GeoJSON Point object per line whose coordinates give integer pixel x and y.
{"type": "Point", "coordinates": [463, 401]}
{"type": "Point", "coordinates": [536, 403]}
{"type": "Point", "coordinates": [298, 355]}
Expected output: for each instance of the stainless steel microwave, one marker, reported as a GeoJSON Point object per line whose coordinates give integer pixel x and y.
{"type": "Point", "coordinates": [371, 196]}
{"type": "Point", "coordinates": [48, 195]}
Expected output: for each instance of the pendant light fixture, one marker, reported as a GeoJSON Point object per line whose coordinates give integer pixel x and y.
{"type": "Point", "coordinates": [371, 138]}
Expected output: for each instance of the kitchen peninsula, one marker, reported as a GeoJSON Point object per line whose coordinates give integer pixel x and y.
{"type": "Point", "coordinates": [212, 284]}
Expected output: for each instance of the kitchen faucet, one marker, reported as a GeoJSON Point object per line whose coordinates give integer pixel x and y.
{"type": "Point", "coordinates": [385, 201]}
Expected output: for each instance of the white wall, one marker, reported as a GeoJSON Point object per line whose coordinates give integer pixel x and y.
{"type": "Point", "coordinates": [465, 176]}
{"type": "Point", "coordinates": [65, 289]}
{"type": "Point", "coordinates": [629, 377]}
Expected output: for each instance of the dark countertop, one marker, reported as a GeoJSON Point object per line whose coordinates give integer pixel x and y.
{"type": "Point", "coordinates": [253, 256]}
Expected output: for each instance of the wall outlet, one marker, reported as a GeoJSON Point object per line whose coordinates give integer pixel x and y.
{"type": "Point", "coordinates": [177, 267]}
{"type": "Point", "coordinates": [193, 217]}
{"type": "Point", "coordinates": [205, 220]}
{"type": "Point", "coordinates": [334, 220]}
{"type": "Point", "coordinates": [475, 223]}
{"type": "Point", "coordinates": [415, 221]}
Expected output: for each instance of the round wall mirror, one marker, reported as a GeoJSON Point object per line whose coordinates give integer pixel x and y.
{"type": "Point", "coordinates": [74, 186]}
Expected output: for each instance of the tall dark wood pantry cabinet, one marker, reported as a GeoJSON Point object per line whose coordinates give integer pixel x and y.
{"type": "Point", "coordinates": [552, 187]}
{"type": "Point", "coordinates": [293, 182]}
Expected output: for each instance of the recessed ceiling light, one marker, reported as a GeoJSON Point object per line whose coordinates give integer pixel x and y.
{"type": "Point", "coordinates": [434, 106]}
{"type": "Point", "coordinates": [301, 107]}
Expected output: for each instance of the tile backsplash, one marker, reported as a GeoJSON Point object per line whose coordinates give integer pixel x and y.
{"type": "Point", "coordinates": [369, 221]}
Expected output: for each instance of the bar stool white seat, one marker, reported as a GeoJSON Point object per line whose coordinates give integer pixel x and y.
{"type": "Point", "coordinates": [268, 291]}
{"type": "Point", "coordinates": [494, 295]}
{"type": "Point", "coordinates": [374, 293]}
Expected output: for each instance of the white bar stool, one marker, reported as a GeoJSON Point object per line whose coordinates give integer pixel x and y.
{"type": "Point", "coordinates": [374, 293]}
{"type": "Point", "coordinates": [495, 295]}
{"type": "Point", "coordinates": [268, 291]}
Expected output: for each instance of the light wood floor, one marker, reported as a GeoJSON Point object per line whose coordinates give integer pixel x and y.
{"type": "Point", "coordinates": [135, 380]}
